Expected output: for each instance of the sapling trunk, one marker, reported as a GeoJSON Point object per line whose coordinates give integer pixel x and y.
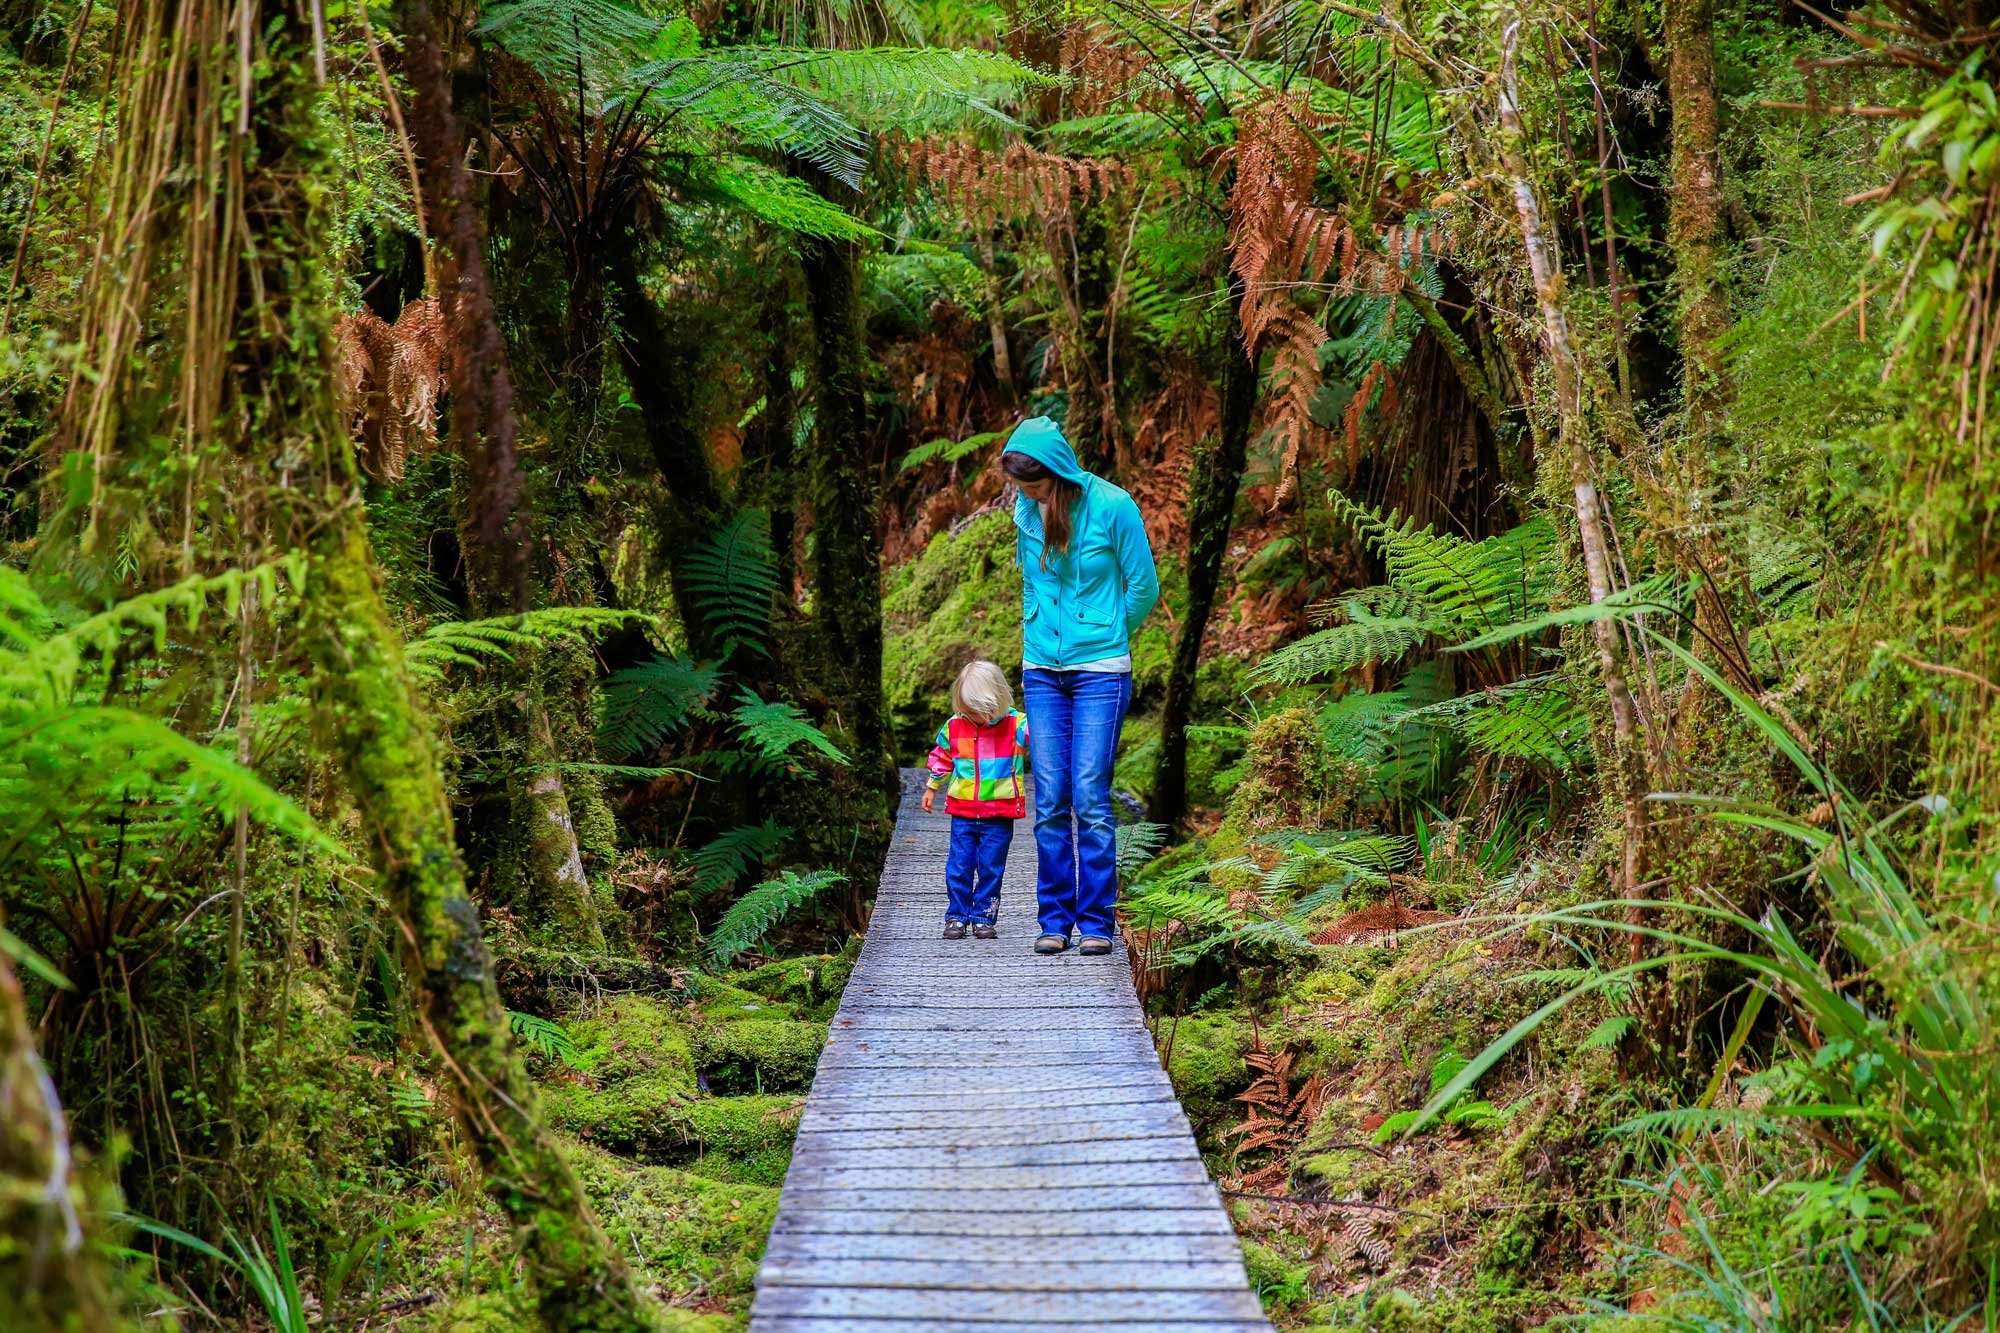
{"type": "Point", "coordinates": [1545, 267]}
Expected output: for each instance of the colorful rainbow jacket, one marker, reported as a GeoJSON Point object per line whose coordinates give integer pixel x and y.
{"type": "Point", "coordinates": [983, 770]}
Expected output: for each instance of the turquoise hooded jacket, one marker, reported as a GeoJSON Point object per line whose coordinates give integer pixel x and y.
{"type": "Point", "coordinates": [1085, 604]}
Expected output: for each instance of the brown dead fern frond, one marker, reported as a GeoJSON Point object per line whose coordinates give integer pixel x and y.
{"type": "Point", "coordinates": [389, 377]}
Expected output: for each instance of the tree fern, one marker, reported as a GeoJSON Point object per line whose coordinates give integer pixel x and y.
{"type": "Point", "coordinates": [752, 917]}
{"type": "Point", "coordinates": [774, 731]}
{"type": "Point", "coordinates": [641, 706]}
{"type": "Point", "coordinates": [727, 858]}
{"type": "Point", "coordinates": [734, 582]}
{"type": "Point", "coordinates": [913, 89]}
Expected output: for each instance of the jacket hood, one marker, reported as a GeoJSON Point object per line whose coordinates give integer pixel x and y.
{"type": "Point", "coordinates": [1042, 440]}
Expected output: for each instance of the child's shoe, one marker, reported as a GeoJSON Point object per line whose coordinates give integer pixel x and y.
{"type": "Point", "coordinates": [982, 931]}
{"type": "Point", "coordinates": [954, 930]}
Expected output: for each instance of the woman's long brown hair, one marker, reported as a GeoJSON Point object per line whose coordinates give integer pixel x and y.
{"type": "Point", "coordinates": [1055, 514]}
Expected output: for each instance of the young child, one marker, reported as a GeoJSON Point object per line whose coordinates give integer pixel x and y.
{"type": "Point", "coordinates": [980, 762]}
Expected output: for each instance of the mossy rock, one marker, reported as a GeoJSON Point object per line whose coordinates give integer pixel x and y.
{"type": "Point", "coordinates": [504, 1311]}
{"type": "Point", "coordinates": [690, 1237]}
{"type": "Point", "coordinates": [1278, 1281]}
{"type": "Point", "coordinates": [743, 1138]}
{"type": "Point", "coordinates": [633, 1037]}
{"type": "Point", "coordinates": [808, 984]}
{"type": "Point", "coordinates": [1207, 1066]}
{"type": "Point", "coordinates": [756, 1055]}
{"type": "Point", "coordinates": [644, 1116]}
{"type": "Point", "coordinates": [720, 1000]}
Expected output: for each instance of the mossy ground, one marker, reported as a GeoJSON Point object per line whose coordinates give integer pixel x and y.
{"type": "Point", "coordinates": [655, 1097]}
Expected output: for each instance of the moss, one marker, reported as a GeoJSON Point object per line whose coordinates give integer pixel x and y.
{"type": "Point", "coordinates": [500, 1311]}
{"type": "Point", "coordinates": [742, 1138]}
{"type": "Point", "coordinates": [960, 599]}
{"type": "Point", "coordinates": [645, 1116]}
{"type": "Point", "coordinates": [809, 985]}
{"type": "Point", "coordinates": [1279, 1282]}
{"type": "Point", "coordinates": [634, 1036]}
{"type": "Point", "coordinates": [1207, 1066]}
{"type": "Point", "coordinates": [717, 999]}
{"type": "Point", "coordinates": [758, 1054]}
{"type": "Point", "coordinates": [693, 1239]}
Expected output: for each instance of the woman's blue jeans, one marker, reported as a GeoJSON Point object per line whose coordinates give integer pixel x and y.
{"type": "Point", "coordinates": [1074, 718]}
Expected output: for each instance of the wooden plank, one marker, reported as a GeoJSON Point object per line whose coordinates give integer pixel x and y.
{"type": "Point", "coordinates": [808, 1324]}
{"type": "Point", "coordinates": [1017, 1249]}
{"type": "Point", "coordinates": [1204, 1221]}
{"type": "Point", "coordinates": [958, 1155]}
{"type": "Point", "coordinates": [1007, 1138]}
{"type": "Point", "coordinates": [1054, 1198]}
{"type": "Point", "coordinates": [986, 1267]}
{"type": "Point", "coordinates": [957, 1179]}
{"type": "Point", "coordinates": [1128, 1307]}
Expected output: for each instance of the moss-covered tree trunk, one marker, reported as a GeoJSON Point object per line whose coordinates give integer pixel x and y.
{"type": "Point", "coordinates": [543, 860]}
{"type": "Point", "coordinates": [275, 396]}
{"type": "Point", "coordinates": [846, 487]}
{"type": "Point", "coordinates": [51, 1276]}
{"type": "Point", "coordinates": [1700, 478]}
{"type": "Point", "coordinates": [1211, 505]}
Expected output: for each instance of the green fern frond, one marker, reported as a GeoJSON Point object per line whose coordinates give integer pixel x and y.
{"type": "Point", "coordinates": [1154, 908]}
{"type": "Point", "coordinates": [912, 89]}
{"type": "Point", "coordinates": [560, 38]}
{"type": "Point", "coordinates": [1364, 638]}
{"type": "Point", "coordinates": [497, 640]}
{"type": "Point", "coordinates": [1138, 844]}
{"type": "Point", "coordinates": [728, 857]}
{"type": "Point", "coordinates": [948, 451]}
{"type": "Point", "coordinates": [1537, 719]}
{"type": "Point", "coordinates": [773, 731]}
{"type": "Point", "coordinates": [1359, 727]}
{"type": "Point", "coordinates": [551, 1039]}
{"type": "Point", "coordinates": [1464, 588]}
{"type": "Point", "coordinates": [740, 94]}
{"type": "Point", "coordinates": [787, 202]}
{"type": "Point", "coordinates": [639, 707]}
{"type": "Point", "coordinates": [734, 581]}
{"type": "Point", "coordinates": [752, 917]}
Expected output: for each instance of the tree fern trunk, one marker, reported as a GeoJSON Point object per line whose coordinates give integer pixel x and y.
{"type": "Point", "coordinates": [545, 860]}
{"type": "Point", "coordinates": [846, 494]}
{"type": "Point", "coordinates": [1211, 504]}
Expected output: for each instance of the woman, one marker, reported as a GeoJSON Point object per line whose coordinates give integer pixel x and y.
{"type": "Point", "coordinates": [1087, 581]}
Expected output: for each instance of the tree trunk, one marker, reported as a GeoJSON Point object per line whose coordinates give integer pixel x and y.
{"type": "Point", "coordinates": [1628, 747]}
{"type": "Point", "coordinates": [275, 391]}
{"type": "Point", "coordinates": [1211, 505]}
{"type": "Point", "coordinates": [1695, 232]}
{"type": "Point", "coordinates": [51, 1277]}
{"type": "Point", "coordinates": [662, 368]}
{"type": "Point", "coordinates": [846, 494]}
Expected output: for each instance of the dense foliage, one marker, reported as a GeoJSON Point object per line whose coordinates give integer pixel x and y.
{"type": "Point", "coordinates": [493, 489]}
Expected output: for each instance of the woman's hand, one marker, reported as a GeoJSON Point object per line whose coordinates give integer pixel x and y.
{"type": "Point", "coordinates": [930, 798]}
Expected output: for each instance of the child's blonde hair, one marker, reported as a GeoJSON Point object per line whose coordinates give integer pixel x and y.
{"type": "Point", "coordinates": [981, 691]}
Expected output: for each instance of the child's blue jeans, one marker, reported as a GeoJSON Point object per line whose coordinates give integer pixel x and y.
{"type": "Point", "coordinates": [1075, 718]}
{"type": "Point", "coordinates": [973, 871]}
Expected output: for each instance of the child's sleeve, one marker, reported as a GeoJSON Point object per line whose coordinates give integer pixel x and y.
{"type": "Point", "coordinates": [939, 761]}
{"type": "Point", "coordinates": [1021, 734]}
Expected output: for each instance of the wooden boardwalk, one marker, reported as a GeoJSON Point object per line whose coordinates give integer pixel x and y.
{"type": "Point", "coordinates": [990, 1143]}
